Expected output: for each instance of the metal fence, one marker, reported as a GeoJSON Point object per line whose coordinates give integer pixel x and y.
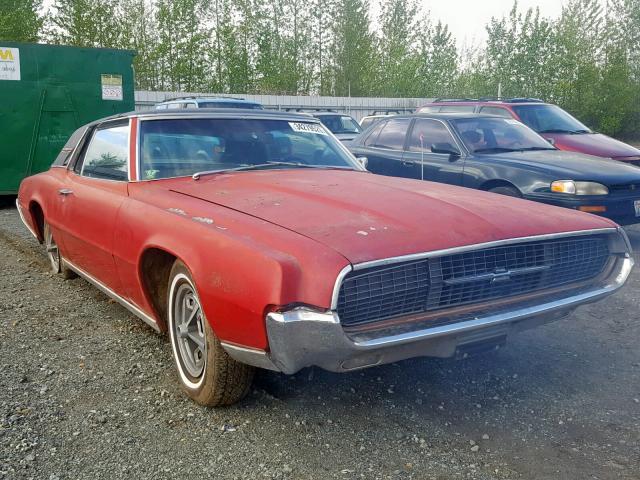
{"type": "Point", "coordinates": [358, 107]}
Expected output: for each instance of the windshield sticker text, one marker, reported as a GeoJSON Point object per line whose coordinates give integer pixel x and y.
{"type": "Point", "coordinates": [307, 128]}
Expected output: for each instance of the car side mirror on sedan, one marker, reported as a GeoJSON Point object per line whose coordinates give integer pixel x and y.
{"type": "Point", "coordinates": [363, 161]}
{"type": "Point", "coordinates": [446, 149]}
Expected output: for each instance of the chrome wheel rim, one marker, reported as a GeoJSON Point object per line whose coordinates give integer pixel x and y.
{"type": "Point", "coordinates": [52, 250]}
{"type": "Point", "coordinates": [188, 331]}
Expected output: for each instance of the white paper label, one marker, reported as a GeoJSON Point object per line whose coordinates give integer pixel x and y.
{"type": "Point", "coordinates": [307, 128]}
{"type": "Point", "coordinates": [112, 87]}
{"type": "Point", "coordinates": [9, 63]}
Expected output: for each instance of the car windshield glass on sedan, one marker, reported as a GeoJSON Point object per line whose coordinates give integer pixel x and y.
{"type": "Point", "coordinates": [340, 124]}
{"type": "Point", "coordinates": [181, 147]}
{"type": "Point", "coordinates": [549, 119]}
{"type": "Point", "coordinates": [496, 135]}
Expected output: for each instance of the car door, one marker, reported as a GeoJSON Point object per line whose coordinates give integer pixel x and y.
{"type": "Point", "coordinates": [384, 149]}
{"type": "Point", "coordinates": [92, 194]}
{"type": "Point", "coordinates": [425, 136]}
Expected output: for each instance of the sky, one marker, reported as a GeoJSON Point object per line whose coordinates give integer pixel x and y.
{"type": "Point", "coordinates": [467, 18]}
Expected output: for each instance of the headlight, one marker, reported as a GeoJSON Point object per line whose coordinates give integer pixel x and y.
{"type": "Point", "coordinates": [579, 188]}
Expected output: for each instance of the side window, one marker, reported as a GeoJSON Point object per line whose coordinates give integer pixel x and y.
{"type": "Point", "coordinates": [393, 134]}
{"type": "Point", "coordinates": [161, 107]}
{"type": "Point", "coordinates": [457, 109]}
{"type": "Point", "coordinates": [107, 153]}
{"type": "Point", "coordinates": [497, 111]}
{"type": "Point", "coordinates": [429, 109]}
{"type": "Point", "coordinates": [426, 133]}
{"type": "Point", "coordinates": [191, 105]}
{"type": "Point", "coordinates": [373, 136]}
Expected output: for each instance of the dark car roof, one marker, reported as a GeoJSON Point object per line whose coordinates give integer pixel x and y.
{"type": "Point", "coordinates": [327, 114]}
{"type": "Point", "coordinates": [443, 116]}
{"type": "Point", "coordinates": [213, 113]}
{"type": "Point", "coordinates": [482, 102]}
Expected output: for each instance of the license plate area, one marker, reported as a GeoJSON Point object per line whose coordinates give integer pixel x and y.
{"type": "Point", "coordinates": [636, 205]}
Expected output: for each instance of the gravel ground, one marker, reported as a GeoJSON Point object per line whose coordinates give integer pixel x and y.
{"type": "Point", "coordinates": [87, 391]}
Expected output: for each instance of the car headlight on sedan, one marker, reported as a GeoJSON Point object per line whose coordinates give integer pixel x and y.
{"type": "Point", "coordinates": [579, 188]}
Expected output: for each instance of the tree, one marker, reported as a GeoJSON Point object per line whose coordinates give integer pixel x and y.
{"type": "Point", "coordinates": [85, 23]}
{"type": "Point", "coordinates": [401, 26]}
{"type": "Point", "coordinates": [182, 44]}
{"type": "Point", "coordinates": [437, 71]}
{"type": "Point", "coordinates": [519, 50]}
{"type": "Point", "coordinates": [353, 52]}
{"type": "Point", "coordinates": [20, 20]}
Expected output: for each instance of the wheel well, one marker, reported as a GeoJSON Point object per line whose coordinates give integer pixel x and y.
{"type": "Point", "coordinates": [497, 183]}
{"type": "Point", "coordinates": [155, 267]}
{"type": "Point", "coordinates": [37, 215]}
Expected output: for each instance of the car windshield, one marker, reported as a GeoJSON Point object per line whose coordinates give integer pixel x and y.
{"type": "Point", "coordinates": [495, 135]}
{"type": "Point", "coordinates": [181, 147]}
{"type": "Point", "coordinates": [251, 106]}
{"type": "Point", "coordinates": [549, 119]}
{"type": "Point", "coordinates": [340, 124]}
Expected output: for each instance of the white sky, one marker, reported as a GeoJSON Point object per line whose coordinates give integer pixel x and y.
{"type": "Point", "coordinates": [467, 18]}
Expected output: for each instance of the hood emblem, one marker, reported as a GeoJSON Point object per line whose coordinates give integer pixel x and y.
{"type": "Point", "coordinates": [499, 275]}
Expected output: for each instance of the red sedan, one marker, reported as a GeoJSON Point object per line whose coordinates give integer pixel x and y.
{"type": "Point", "coordinates": [256, 240]}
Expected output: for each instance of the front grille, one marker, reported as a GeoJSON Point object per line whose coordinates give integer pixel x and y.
{"type": "Point", "coordinates": [625, 187]}
{"type": "Point", "coordinates": [430, 284]}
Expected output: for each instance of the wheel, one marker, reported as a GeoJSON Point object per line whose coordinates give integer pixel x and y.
{"type": "Point", "coordinates": [53, 253]}
{"type": "Point", "coordinates": [207, 374]}
{"type": "Point", "coordinates": [506, 190]}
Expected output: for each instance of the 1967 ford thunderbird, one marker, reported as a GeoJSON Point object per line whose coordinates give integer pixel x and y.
{"type": "Point", "coordinates": [256, 240]}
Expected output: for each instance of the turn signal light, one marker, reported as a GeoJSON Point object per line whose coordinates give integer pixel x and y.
{"type": "Point", "coordinates": [593, 209]}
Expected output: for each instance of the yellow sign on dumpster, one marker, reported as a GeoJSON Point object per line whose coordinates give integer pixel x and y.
{"type": "Point", "coordinates": [9, 63]}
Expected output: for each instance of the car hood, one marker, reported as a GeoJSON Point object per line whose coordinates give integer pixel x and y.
{"type": "Point", "coordinates": [366, 217]}
{"type": "Point", "coordinates": [594, 144]}
{"type": "Point", "coordinates": [561, 165]}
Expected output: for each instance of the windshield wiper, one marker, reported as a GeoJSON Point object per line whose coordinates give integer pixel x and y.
{"type": "Point", "coordinates": [259, 166]}
{"type": "Point", "coordinates": [495, 150]}
{"type": "Point", "coordinates": [529, 149]}
{"type": "Point", "coordinates": [561, 130]}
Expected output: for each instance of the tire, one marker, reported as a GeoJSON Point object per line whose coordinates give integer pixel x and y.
{"type": "Point", "coordinates": [210, 377]}
{"type": "Point", "coordinates": [53, 254]}
{"type": "Point", "coordinates": [506, 190]}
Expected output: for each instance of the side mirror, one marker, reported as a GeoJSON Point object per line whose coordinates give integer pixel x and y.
{"type": "Point", "coordinates": [363, 161]}
{"type": "Point", "coordinates": [445, 149]}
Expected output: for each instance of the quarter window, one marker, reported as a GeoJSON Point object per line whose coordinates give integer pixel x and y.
{"type": "Point", "coordinates": [429, 109]}
{"type": "Point", "coordinates": [370, 141]}
{"type": "Point", "coordinates": [457, 109]}
{"type": "Point", "coordinates": [107, 154]}
{"type": "Point", "coordinates": [497, 111]}
{"type": "Point", "coordinates": [426, 133]}
{"type": "Point", "coordinates": [393, 134]}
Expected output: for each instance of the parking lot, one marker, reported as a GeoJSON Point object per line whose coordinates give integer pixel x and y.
{"type": "Point", "coordinates": [87, 391]}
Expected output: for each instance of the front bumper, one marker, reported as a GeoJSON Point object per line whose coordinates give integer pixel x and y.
{"type": "Point", "coordinates": [302, 337]}
{"type": "Point", "coordinates": [619, 208]}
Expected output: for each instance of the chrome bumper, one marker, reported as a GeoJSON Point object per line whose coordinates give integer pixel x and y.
{"type": "Point", "coordinates": [302, 337]}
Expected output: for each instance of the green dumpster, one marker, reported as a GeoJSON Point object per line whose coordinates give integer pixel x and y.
{"type": "Point", "coordinates": [47, 92]}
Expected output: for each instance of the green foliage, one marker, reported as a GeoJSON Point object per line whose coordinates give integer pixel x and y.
{"type": "Point", "coordinates": [20, 20]}
{"type": "Point", "coordinates": [587, 60]}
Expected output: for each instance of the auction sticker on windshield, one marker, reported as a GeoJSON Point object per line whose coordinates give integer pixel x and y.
{"type": "Point", "coordinates": [307, 128]}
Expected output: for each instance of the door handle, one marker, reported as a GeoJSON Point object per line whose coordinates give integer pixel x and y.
{"type": "Point", "coordinates": [65, 191]}
{"type": "Point", "coordinates": [408, 163]}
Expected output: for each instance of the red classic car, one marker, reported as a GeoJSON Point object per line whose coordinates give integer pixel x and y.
{"type": "Point", "coordinates": [256, 240]}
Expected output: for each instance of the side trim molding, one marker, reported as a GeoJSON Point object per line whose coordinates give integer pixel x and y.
{"type": "Point", "coordinates": [107, 291]}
